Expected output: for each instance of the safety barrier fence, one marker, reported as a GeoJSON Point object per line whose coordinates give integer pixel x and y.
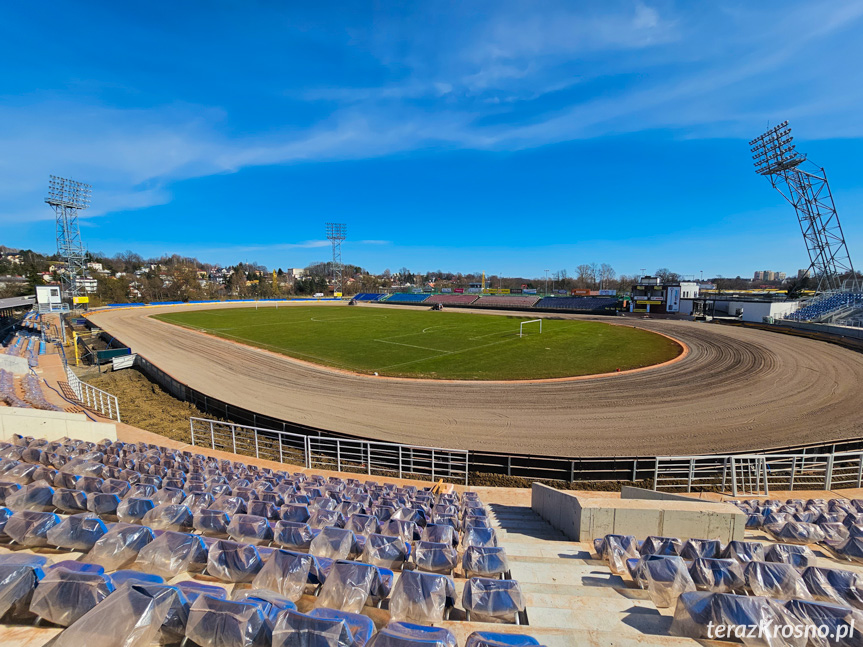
{"type": "Point", "coordinates": [339, 454]}
{"type": "Point", "coordinates": [93, 397]}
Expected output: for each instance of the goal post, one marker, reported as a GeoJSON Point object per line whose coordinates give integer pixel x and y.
{"type": "Point", "coordinates": [532, 321]}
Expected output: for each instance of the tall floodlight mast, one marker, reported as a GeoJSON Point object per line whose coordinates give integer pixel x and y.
{"type": "Point", "coordinates": [809, 193]}
{"type": "Point", "coordinates": [336, 234]}
{"type": "Point", "coordinates": [68, 198]}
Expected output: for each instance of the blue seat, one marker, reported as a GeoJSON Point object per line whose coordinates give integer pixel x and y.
{"type": "Point", "coordinates": [250, 529]}
{"type": "Point", "coordinates": [192, 589]}
{"type": "Point", "coordinates": [294, 512]}
{"type": "Point", "coordinates": [655, 545]}
{"type": "Point", "coordinates": [70, 501]}
{"type": "Point", "coordinates": [133, 509]}
{"type": "Point", "coordinates": [350, 585]}
{"type": "Point", "coordinates": [212, 523]}
{"type": "Point", "coordinates": [5, 513]}
{"type": "Point", "coordinates": [233, 562]}
{"type": "Point", "coordinates": [19, 575]}
{"type": "Point", "coordinates": [287, 573]}
{"type": "Point", "coordinates": [293, 535]}
{"type": "Point", "coordinates": [36, 497]}
{"type": "Point", "coordinates": [116, 486]}
{"type": "Point", "coordinates": [695, 548]}
{"type": "Point", "coordinates": [435, 557]}
{"type": "Point", "coordinates": [78, 532]}
{"type": "Point", "coordinates": [135, 577]}
{"type": "Point", "coordinates": [120, 545]}
{"type": "Point", "coordinates": [362, 524]}
{"type": "Point", "coordinates": [30, 528]}
{"type": "Point", "coordinates": [484, 561]}
{"type": "Point", "coordinates": [294, 629]}
{"type": "Point", "coordinates": [744, 551]}
{"type": "Point", "coordinates": [723, 575]}
{"type": "Point", "coordinates": [169, 516]}
{"type": "Point", "coordinates": [103, 504]}
{"type": "Point", "coordinates": [485, 598]}
{"type": "Point", "coordinates": [172, 553]}
{"type": "Point", "coordinates": [333, 543]}
{"type": "Point", "coordinates": [492, 639]}
{"type": "Point", "coordinates": [362, 628]}
{"type": "Point", "coordinates": [225, 623]}
{"type": "Point", "coordinates": [64, 595]}
{"type": "Point", "coordinates": [265, 509]}
{"type": "Point", "coordinates": [323, 518]}
{"type": "Point", "coordinates": [774, 579]}
{"type": "Point", "coordinates": [796, 555]}
{"type": "Point", "coordinates": [405, 634]}
{"type": "Point", "coordinates": [422, 597]}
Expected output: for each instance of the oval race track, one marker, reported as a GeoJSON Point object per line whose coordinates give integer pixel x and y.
{"type": "Point", "coordinates": [738, 389]}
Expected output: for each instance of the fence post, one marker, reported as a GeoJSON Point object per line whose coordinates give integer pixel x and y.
{"type": "Point", "coordinates": [860, 470]}
{"type": "Point", "coordinates": [466, 457]}
{"type": "Point", "coordinates": [400, 461]}
{"type": "Point", "coordinates": [724, 472]}
{"type": "Point", "coordinates": [828, 476]}
{"type": "Point", "coordinates": [733, 477]}
{"type": "Point", "coordinates": [307, 447]}
{"type": "Point", "coordinates": [192, 431]}
{"type": "Point", "coordinates": [369, 457]}
{"type": "Point", "coordinates": [793, 472]}
{"type": "Point", "coordinates": [766, 483]}
{"type": "Point", "coordinates": [281, 454]}
{"type": "Point", "coordinates": [338, 455]}
{"type": "Point", "coordinates": [432, 471]}
{"type": "Point", "coordinates": [656, 475]}
{"type": "Point", "coordinates": [256, 443]}
{"type": "Point", "coordinates": [234, 437]}
{"type": "Point", "coordinates": [212, 435]}
{"type": "Point", "coordinates": [691, 474]}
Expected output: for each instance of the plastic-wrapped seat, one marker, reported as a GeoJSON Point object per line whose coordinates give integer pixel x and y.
{"type": "Point", "coordinates": [78, 532]}
{"type": "Point", "coordinates": [233, 562]}
{"type": "Point", "coordinates": [839, 621]}
{"type": "Point", "coordinates": [103, 504]}
{"type": "Point", "coordinates": [230, 504]}
{"type": "Point", "coordinates": [834, 585]}
{"type": "Point", "coordinates": [333, 543]}
{"type": "Point", "coordinates": [723, 575]}
{"type": "Point", "coordinates": [492, 639]}
{"type": "Point", "coordinates": [479, 537]}
{"type": "Point", "coordinates": [193, 589]}
{"type": "Point", "coordinates": [700, 613]}
{"type": "Point", "coordinates": [851, 549]}
{"type": "Point", "coordinates": [250, 529]}
{"type": "Point", "coordinates": [655, 545]}
{"type": "Point", "coordinates": [744, 551]}
{"type": "Point", "coordinates": [362, 628]}
{"type": "Point", "coordinates": [775, 580]}
{"type": "Point", "coordinates": [116, 486]}
{"type": "Point", "coordinates": [695, 548]}
{"type": "Point", "coordinates": [212, 523]}
{"type": "Point", "coordinates": [664, 577]}
{"type": "Point", "coordinates": [485, 561]}
{"type": "Point", "coordinates": [362, 524]}
{"type": "Point", "coordinates": [435, 557]}
{"type": "Point", "coordinates": [197, 501]}
{"type": "Point", "coordinates": [285, 572]}
{"type": "Point", "coordinates": [226, 623]}
{"type": "Point", "coordinates": [406, 634]}
{"type": "Point", "coordinates": [835, 534]}
{"type": "Point", "coordinates": [386, 551]}
{"type": "Point", "coordinates": [293, 535]}
{"type": "Point", "coordinates": [7, 488]}
{"type": "Point", "coordinates": [294, 512]}
{"type": "Point", "coordinates": [120, 545]}
{"type": "Point", "coordinates": [440, 533]}
{"type": "Point", "coordinates": [20, 573]}
{"type": "Point", "coordinates": [169, 516]}
{"type": "Point", "coordinates": [133, 509]}
{"type": "Point", "coordinates": [70, 501]}
{"type": "Point", "coordinates": [37, 496]}
{"type": "Point", "coordinates": [796, 532]}
{"type": "Point", "coordinates": [349, 586]}
{"type": "Point", "coordinates": [323, 518]}
{"type": "Point", "coordinates": [294, 629]}
{"type": "Point", "coordinates": [793, 554]}
{"type": "Point", "coordinates": [30, 528]}
{"type": "Point", "coordinates": [265, 509]}
{"type": "Point", "coordinates": [614, 550]}
{"type": "Point", "coordinates": [172, 553]}
{"type": "Point", "coordinates": [485, 599]}
{"type": "Point", "coordinates": [422, 597]}
{"type": "Point", "coordinates": [130, 617]}
{"type": "Point", "coordinates": [65, 595]}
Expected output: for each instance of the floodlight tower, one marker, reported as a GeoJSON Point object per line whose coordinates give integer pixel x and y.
{"type": "Point", "coordinates": [336, 233]}
{"type": "Point", "coordinates": [809, 193]}
{"type": "Point", "coordinates": [69, 197]}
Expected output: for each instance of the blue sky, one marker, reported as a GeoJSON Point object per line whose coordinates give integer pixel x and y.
{"type": "Point", "coordinates": [467, 136]}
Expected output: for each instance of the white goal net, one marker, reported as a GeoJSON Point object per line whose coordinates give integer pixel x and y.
{"type": "Point", "coordinates": [521, 326]}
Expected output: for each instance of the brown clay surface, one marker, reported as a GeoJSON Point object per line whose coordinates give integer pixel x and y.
{"type": "Point", "coordinates": [737, 389]}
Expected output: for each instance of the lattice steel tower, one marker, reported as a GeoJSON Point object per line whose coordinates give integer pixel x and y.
{"type": "Point", "coordinates": [336, 233]}
{"type": "Point", "coordinates": [809, 193]}
{"type": "Point", "coordinates": [68, 197]}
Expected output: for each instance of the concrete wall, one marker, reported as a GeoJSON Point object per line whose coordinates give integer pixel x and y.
{"type": "Point", "coordinates": [52, 425]}
{"type": "Point", "coordinates": [584, 518]}
{"type": "Point", "coordinates": [630, 492]}
{"type": "Point", "coordinates": [14, 364]}
{"type": "Point", "coordinates": [843, 331]}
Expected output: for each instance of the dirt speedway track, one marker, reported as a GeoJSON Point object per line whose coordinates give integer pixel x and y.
{"type": "Point", "coordinates": [738, 389]}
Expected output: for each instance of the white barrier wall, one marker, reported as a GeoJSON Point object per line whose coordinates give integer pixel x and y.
{"type": "Point", "coordinates": [52, 425]}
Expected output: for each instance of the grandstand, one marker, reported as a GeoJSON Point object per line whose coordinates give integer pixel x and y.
{"type": "Point", "coordinates": [452, 299]}
{"type": "Point", "coordinates": [368, 296]}
{"type": "Point", "coordinates": [406, 297]}
{"type": "Point", "coordinates": [829, 307]}
{"type": "Point", "coordinates": [578, 304]}
{"type": "Point", "coordinates": [505, 301]}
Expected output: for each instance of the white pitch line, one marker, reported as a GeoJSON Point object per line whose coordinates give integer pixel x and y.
{"type": "Point", "coordinates": [454, 352]}
{"type": "Point", "coordinates": [398, 343]}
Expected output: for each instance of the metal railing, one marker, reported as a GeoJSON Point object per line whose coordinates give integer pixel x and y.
{"type": "Point", "coordinates": [338, 454]}
{"type": "Point", "coordinates": [94, 398]}
{"type": "Point", "coordinates": [756, 474]}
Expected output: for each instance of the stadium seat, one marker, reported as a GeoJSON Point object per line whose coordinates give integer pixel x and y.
{"type": "Point", "coordinates": [654, 545]}
{"type": "Point", "coordinates": [422, 597]}
{"type": "Point", "coordinates": [134, 577]}
{"type": "Point", "coordinates": [485, 561]}
{"type": "Point", "coordinates": [362, 524]}
{"type": "Point", "coordinates": [665, 578]}
{"type": "Point", "coordinates": [77, 532]}
{"type": "Point", "coordinates": [225, 623]}
{"type": "Point", "coordinates": [492, 639]}
{"type": "Point", "coordinates": [483, 537]}
{"type": "Point", "coordinates": [323, 518]}
{"type": "Point", "coordinates": [775, 580]}
{"type": "Point", "coordinates": [796, 555]}
{"type": "Point", "coordinates": [64, 595]}
{"type": "Point", "coordinates": [294, 629]}
{"type": "Point", "coordinates": [19, 575]}
{"type": "Point", "coordinates": [362, 628]}
{"type": "Point", "coordinates": [102, 504]}
{"type": "Point", "coordinates": [695, 548]}
{"type": "Point", "coordinates": [386, 551]}
{"type": "Point", "coordinates": [405, 634]}
{"type": "Point", "coordinates": [172, 553]}
{"type": "Point", "coordinates": [169, 516]}
{"type": "Point", "coordinates": [250, 529]}
{"type": "Point", "coordinates": [349, 586]}
{"type": "Point", "coordinates": [36, 497]}
{"type": "Point", "coordinates": [435, 557]}
{"type": "Point", "coordinates": [29, 528]}
{"type": "Point", "coordinates": [229, 561]}
{"type": "Point", "coordinates": [120, 545]}
{"type": "Point", "coordinates": [699, 613]}
{"type": "Point", "coordinates": [133, 509]}
{"type": "Point", "coordinates": [333, 543]}
{"type": "Point", "coordinates": [293, 535]}
{"type": "Point", "coordinates": [286, 573]}
{"type": "Point", "coordinates": [744, 551]}
{"type": "Point", "coordinates": [70, 501]}
{"type": "Point", "coordinates": [717, 575]}
{"type": "Point", "coordinates": [211, 523]}
{"type": "Point", "coordinates": [294, 512]}
{"type": "Point", "coordinates": [834, 585]}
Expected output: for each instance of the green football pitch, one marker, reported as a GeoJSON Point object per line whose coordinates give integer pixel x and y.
{"type": "Point", "coordinates": [439, 345]}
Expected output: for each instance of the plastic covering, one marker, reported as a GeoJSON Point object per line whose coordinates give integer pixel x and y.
{"type": "Point", "coordinates": [64, 595]}
{"type": "Point", "coordinates": [840, 622]}
{"type": "Point", "coordinates": [795, 532]}
{"type": "Point", "coordinates": [294, 512]}
{"type": "Point", "coordinates": [19, 575]}
{"type": "Point", "coordinates": [615, 550]}
{"type": "Point", "coordinates": [293, 535]}
{"type": "Point", "coordinates": [69, 500]}
{"type": "Point", "coordinates": [333, 543]}
{"type": "Point", "coordinates": [694, 548]}
{"type": "Point", "coordinates": [285, 572]}
{"type": "Point", "coordinates": [169, 516]}
{"type": "Point", "coordinates": [744, 551]}
{"type": "Point", "coordinates": [485, 562]}
{"type": "Point", "coordinates": [851, 549]}
{"type": "Point", "coordinates": [250, 529]}
{"type": "Point", "coordinates": [133, 509]}
{"type": "Point", "coordinates": [225, 623]}
{"type": "Point", "coordinates": [103, 504]}
{"type": "Point", "coordinates": [172, 553]}
{"type": "Point", "coordinates": [348, 586]}
{"type": "Point", "coordinates": [30, 528]}
{"type": "Point", "coordinates": [37, 496]}
{"type": "Point", "coordinates": [775, 580]}
{"type": "Point", "coordinates": [407, 530]}
{"type": "Point", "coordinates": [404, 634]}
{"type": "Point", "coordinates": [834, 585]}
{"type": "Point", "coordinates": [233, 562]}
{"type": "Point", "coordinates": [323, 518]}
{"type": "Point", "coordinates": [361, 626]}
{"type": "Point", "coordinates": [269, 602]}
{"type": "Point", "coordinates": [363, 524]}
{"type": "Point", "coordinates": [664, 577]}
{"type": "Point", "coordinates": [835, 534]}
{"type": "Point", "coordinates": [130, 617]}
{"type": "Point", "coordinates": [422, 597]}
{"type": "Point", "coordinates": [120, 545]}
{"type": "Point", "coordinates": [435, 557]}
{"type": "Point", "coordinates": [654, 545]}
{"type": "Point", "coordinates": [441, 533]}
{"type": "Point", "coordinates": [717, 575]}
{"type": "Point", "coordinates": [78, 532]}
{"type": "Point", "coordinates": [212, 523]}
{"type": "Point", "coordinates": [386, 551]}
{"type": "Point", "coordinates": [486, 598]}
{"type": "Point", "coordinates": [294, 629]}
{"type": "Point", "coordinates": [697, 614]}
{"type": "Point", "coordinates": [796, 555]}
{"type": "Point", "coordinates": [491, 639]}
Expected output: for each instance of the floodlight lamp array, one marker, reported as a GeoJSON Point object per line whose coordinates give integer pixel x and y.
{"type": "Point", "coordinates": [336, 231]}
{"type": "Point", "coordinates": [63, 192]}
{"type": "Point", "coordinates": [774, 152]}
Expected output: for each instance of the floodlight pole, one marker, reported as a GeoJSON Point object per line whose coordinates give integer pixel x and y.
{"type": "Point", "coordinates": [336, 234]}
{"type": "Point", "coordinates": [68, 197]}
{"type": "Point", "coordinates": [546, 282]}
{"type": "Point", "coordinates": [809, 193]}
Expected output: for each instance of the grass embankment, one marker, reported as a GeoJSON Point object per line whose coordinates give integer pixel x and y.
{"type": "Point", "coordinates": [439, 345]}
